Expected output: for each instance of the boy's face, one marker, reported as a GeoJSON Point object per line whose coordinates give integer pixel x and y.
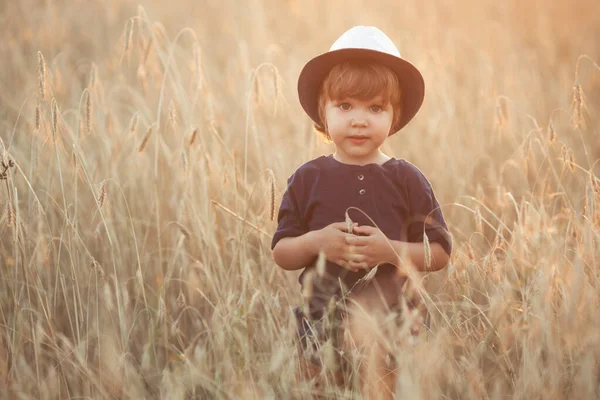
{"type": "Point", "coordinates": [358, 128]}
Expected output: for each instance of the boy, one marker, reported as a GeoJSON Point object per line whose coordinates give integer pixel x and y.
{"type": "Point", "coordinates": [358, 94]}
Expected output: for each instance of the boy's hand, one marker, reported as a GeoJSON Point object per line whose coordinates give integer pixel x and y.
{"type": "Point", "coordinates": [369, 251]}
{"type": "Point", "coordinates": [332, 241]}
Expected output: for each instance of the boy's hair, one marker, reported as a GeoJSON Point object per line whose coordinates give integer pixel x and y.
{"type": "Point", "coordinates": [362, 80]}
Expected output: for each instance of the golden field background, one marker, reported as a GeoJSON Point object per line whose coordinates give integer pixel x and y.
{"type": "Point", "coordinates": [136, 221]}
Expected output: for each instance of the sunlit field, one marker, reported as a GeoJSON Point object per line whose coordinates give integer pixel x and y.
{"type": "Point", "coordinates": [145, 149]}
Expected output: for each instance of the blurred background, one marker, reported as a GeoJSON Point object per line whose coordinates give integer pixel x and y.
{"type": "Point", "coordinates": [146, 146]}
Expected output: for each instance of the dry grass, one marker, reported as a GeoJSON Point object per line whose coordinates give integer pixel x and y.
{"type": "Point", "coordinates": [149, 145]}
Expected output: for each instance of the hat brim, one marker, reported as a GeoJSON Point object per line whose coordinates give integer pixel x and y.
{"type": "Point", "coordinates": [314, 72]}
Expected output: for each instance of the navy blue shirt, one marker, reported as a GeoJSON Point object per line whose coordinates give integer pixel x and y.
{"type": "Point", "coordinates": [395, 195]}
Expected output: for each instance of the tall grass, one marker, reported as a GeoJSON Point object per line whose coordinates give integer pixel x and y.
{"type": "Point", "coordinates": [144, 151]}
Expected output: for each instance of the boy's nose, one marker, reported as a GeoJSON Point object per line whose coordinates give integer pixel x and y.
{"type": "Point", "coordinates": [357, 122]}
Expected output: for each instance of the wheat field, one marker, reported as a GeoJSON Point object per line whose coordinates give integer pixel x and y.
{"type": "Point", "coordinates": [145, 148]}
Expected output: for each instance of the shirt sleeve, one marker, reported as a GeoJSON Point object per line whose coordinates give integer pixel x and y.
{"type": "Point", "coordinates": [426, 215]}
{"type": "Point", "coordinates": [289, 220]}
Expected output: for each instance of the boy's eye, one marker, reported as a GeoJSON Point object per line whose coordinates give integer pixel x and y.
{"type": "Point", "coordinates": [376, 108]}
{"type": "Point", "coordinates": [345, 106]}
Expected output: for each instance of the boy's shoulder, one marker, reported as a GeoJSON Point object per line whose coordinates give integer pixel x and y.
{"type": "Point", "coordinates": [311, 167]}
{"type": "Point", "coordinates": [315, 164]}
{"type": "Point", "coordinates": [407, 166]}
{"type": "Point", "coordinates": [411, 173]}
{"type": "Point", "coordinates": [403, 166]}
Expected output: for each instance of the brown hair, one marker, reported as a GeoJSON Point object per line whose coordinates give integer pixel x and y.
{"type": "Point", "coordinates": [362, 80]}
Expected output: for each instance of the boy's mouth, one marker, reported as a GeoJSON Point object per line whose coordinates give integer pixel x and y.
{"type": "Point", "coordinates": [358, 139]}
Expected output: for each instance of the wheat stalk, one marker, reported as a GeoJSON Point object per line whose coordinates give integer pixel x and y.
{"type": "Point", "coordinates": [245, 221]}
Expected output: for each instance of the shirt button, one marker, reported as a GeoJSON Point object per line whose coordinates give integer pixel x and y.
{"type": "Point", "coordinates": [362, 191]}
{"type": "Point", "coordinates": [361, 177]}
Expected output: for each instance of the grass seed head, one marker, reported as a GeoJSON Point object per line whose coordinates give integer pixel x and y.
{"type": "Point", "coordinates": [180, 301]}
{"type": "Point", "coordinates": [74, 159]}
{"type": "Point", "coordinates": [141, 12]}
{"type": "Point", "coordinates": [128, 33]}
{"type": "Point", "coordinates": [571, 160]}
{"type": "Point", "coordinates": [320, 266]}
{"type": "Point", "coordinates": [470, 252]}
{"type": "Point", "coordinates": [42, 75]}
{"type": "Point", "coordinates": [184, 160]}
{"type": "Point", "coordinates": [427, 251]}
{"type": "Point", "coordinates": [499, 239]}
{"type": "Point", "coordinates": [38, 117]}
{"type": "Point", "coordinates": [88, 112]}
{"type": "Point", "coordinates": [5, 167]}
{"type": "Point", "coordinates": [257, 91]}
{"type": "Point", "coordinates": [590, 197]}
{"type": "Point", "coordinates": [142, 76]}
{"type": "Point", "coordinates": [564, 154]}
{"type": "Point", "coordinates": [272, 191]}
{"type": "Point", "coordinates": [349, 223]}
{"type": "Point", "coordinates": [500, 114]}
{"type": "Point", "coordinates": [147, 50]}
{"type": "Point", "coordinates": [97, 268]}
{"type": "Point", "coordinates": [54, 118]}
{"type": "Point", "coordinates": [145, 139]}
{"type": "Point", "coordinates": [193, 137]}
{"type": "Point", "coordinates": [173, 115]}
{"type": "Point", "coordinates": [133, 123]}
{"type": "Point", "coordinates": [102, 196]}
{"type": "Point", "coordinates": [11, 215]}
{"type": "Point", "coordinates": [184, 231]}
{"type": "Point", "coordinates": [596, 185]}
{"type": "Point", "coordinates": [478, 219]}
{"type": "Point", "coordinates": [307, 287]}
{"type": "Point", "coordinates": [579, 107]}
{"type": "Point", "coordinates": [551, 132]}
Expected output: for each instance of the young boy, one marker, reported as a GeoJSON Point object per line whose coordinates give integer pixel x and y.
{"type": "Point", "coordinates": [358, 94]}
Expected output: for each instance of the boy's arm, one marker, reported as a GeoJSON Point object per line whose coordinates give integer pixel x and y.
{"type": "Point", "coordinates": [416, 254]}
{"type": "Point", "coordinates": [295, 252]}
{"type": "Point", "coordinates": [292, 253]}
{"type": "Point", "coordinates": [371, 247]}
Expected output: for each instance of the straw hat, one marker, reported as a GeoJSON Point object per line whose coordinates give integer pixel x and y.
{"type": "Point", "coordinates": [363, 43]}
